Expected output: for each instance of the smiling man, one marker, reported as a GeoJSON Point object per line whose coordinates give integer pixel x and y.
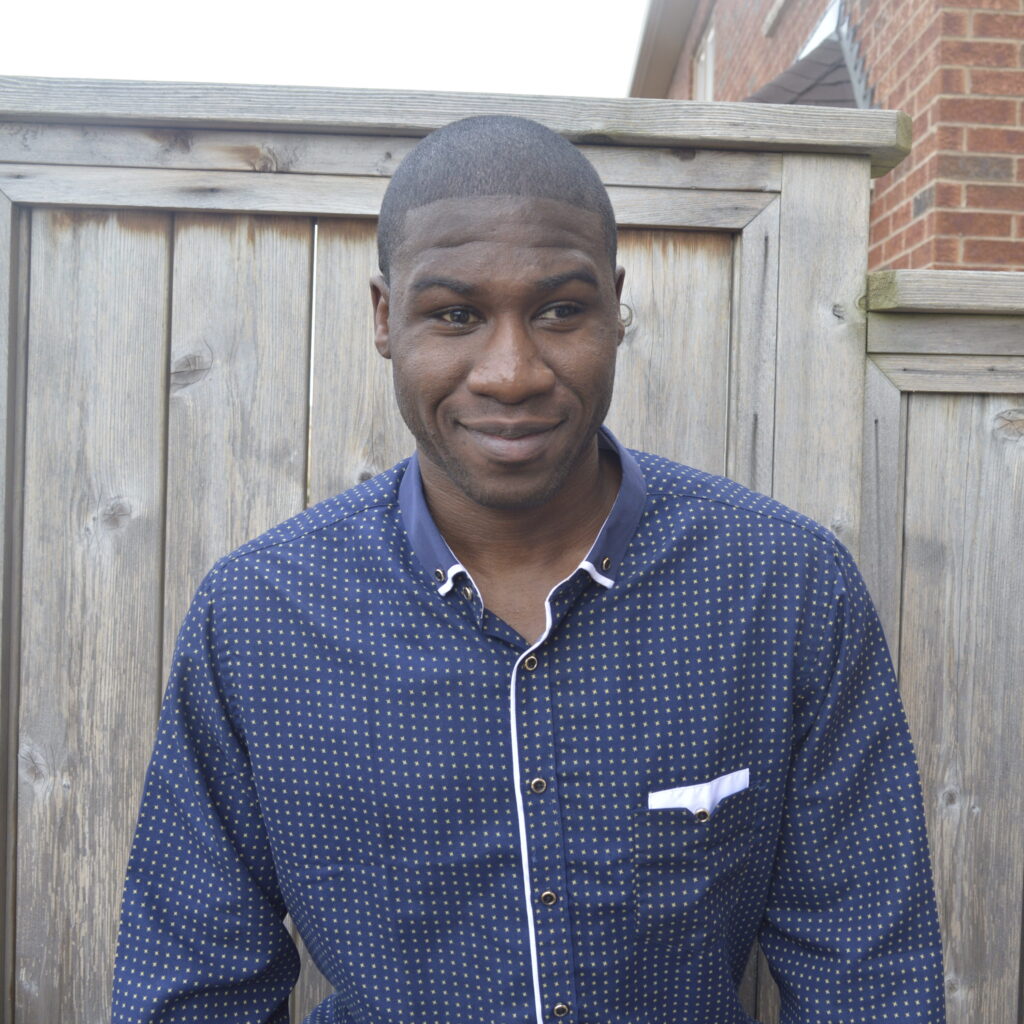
{"type": "Point", "coordinates": [530, 727]}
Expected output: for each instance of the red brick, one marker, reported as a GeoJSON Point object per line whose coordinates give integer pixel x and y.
{"type": "Point", "coordinates": [948, 194]}
{"type": "Point", "coordinates": [996, 197]}
{"type": "Point", "coordinates": [997, 83]}
{"type": "Point", "coordinates": [966, 222]}
{"type": "Point", "coordinates": [982, 250]}
{"type": "Point", "coordinates": [954, 23]}
{"type": "Point", "coordinates": [920, 257]}
{"type": "Point", "coordinates": [976, 111]}
{"type": "Point", "coordinates": [998, 26]}
{"type": "Point", "coordinates": [985, 54]}
{"type": "Point", "coordinates": [949, 137]}
{"type": "Point", "coordinates": [1019, 229]}
{"type": "Point", "coordinates": [995, 140]}
{"type": "Point", "coordinates": [954, 80]}
{"type": "Point", "coordinates": [992, 5]}
{"type": "Point", "coordinates": [963, 167]}
{"type": "Point", "coordinates": [946, 249]}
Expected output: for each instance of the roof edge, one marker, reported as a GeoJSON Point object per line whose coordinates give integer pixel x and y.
{"type": "Point", "coordinates": [666, 27]}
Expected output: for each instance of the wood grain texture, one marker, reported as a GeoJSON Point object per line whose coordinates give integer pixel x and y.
{"type": "Point", "coordinates": [881, 135]}
{"type": "Point", "coordinates": [820, 365]}
{"type": "Point", "coordinates": [93, 552]}
{"type": "Point", "coordinates": [365, 155]}
{"type": "Point", "coordinates": [961, 638]}
{"type": "Point", "coordinates": [881, 533]}
{"type": "Point", "coordinates": [348, 195]}
{"type": "Point", "coordinates": [939, 333]}
{"type": "Point", "coordinates": [355, 428]}
{"type": "Point", "coordinates": [238, 390]}
{"type": "Point", "coordinates": [990, 374]}
{"type": "Point", "coordinates": [946, 291]}
{"type": "Point", "coordinates": [14, 272]}
{"type": "Point", "coordinates": [672, 378]}
{"type": "Point", "coordinates": [755, 296]}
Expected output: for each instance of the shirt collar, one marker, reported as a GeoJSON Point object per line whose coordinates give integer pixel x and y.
{"type": "Point", "coordinates": [602, 562]}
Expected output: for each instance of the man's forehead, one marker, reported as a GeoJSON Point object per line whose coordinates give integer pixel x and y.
{"type": "Point", "coordinates": [514, 221]}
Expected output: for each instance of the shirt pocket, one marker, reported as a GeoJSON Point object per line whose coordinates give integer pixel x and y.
{"type": "Point", "coordinates": [685, 863]}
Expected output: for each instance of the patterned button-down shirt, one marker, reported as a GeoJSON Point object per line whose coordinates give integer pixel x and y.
{"type": "Point", "coordinates": [706, 746]}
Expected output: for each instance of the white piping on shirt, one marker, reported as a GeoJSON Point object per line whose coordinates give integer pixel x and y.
{"type": "Point", "coordinates": [518, 782]}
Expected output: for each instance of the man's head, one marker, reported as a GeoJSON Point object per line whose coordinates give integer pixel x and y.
{"type": "Point", "coordinates": [498, 306]}
{"type": "Point", "coordinates": [493, 155]}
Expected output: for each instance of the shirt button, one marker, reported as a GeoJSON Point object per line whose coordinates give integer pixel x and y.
{"type": "Point", "coordinates": [560, 1010]}
{"type": "Point", "coordinates": [702, 815]}
{"type": "Point", "coordinates": [439, 575]}
{"type": "Point", "coordinates": [549, 898]}
{"type": "Point", "coordinates": [538, 785]}
{"type": "Point", "coordinates": [606, 564]}
{"type": "Point", "coordinates": [529, 663]}
{"type": "Point", "coordinates": [467, 593]}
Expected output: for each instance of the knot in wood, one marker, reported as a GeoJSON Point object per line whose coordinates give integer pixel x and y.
{"type": "Point", "coordinates": [190, 369]}
{"type": "Point", "coordinates": [1008, 425]}
{"type": "Point", "coordinates": [116, 513]}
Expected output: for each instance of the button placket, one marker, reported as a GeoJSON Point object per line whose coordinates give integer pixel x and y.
{"type": "Point", "coordinates": [544, 829]}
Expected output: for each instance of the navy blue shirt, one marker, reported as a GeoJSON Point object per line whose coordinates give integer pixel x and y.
{"type": "Point", "coordinates": [706, 746]}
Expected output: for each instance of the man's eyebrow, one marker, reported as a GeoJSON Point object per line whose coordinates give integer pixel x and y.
{"type": "Point", "coordinates": [422, 284]}
{"type": "Point", "coordinates": [557, 280]}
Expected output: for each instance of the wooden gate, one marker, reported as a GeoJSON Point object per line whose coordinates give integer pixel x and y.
{"type": "Point", "coordinates": [190, 361]}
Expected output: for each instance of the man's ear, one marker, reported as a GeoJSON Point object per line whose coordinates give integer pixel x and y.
{"type": "Point", "coordinates": [379, 295]}
{"type": "Point", "coordinates": [620, 277]}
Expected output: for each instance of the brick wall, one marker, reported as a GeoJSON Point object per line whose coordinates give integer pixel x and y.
{"type": "Point", "coordinates": [957, 202]}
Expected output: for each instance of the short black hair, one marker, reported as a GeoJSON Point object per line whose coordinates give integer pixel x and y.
{"type": "Point", "coordinates": [490, 155]}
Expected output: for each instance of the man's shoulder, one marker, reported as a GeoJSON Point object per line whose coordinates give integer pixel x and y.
{"type": "Point", "coordinates": [673, 484]}
{"type": "Point", "coordinates": [324, 523]}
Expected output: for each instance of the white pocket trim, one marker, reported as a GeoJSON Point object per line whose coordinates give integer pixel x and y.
{"type": "Point", "coordinates": [705, 796]}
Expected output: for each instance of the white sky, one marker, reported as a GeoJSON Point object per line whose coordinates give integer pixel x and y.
{"type": "Point", "coordinates": [553, 47]}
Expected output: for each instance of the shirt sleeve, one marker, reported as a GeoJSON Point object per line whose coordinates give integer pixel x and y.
{"type": "Point", "coordinates": [201, 937]}
{"type": "Point", "coordinates": [851, 930]}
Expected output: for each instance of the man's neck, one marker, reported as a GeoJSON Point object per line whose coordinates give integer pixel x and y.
{"type": "Point", "coordinates": [538, 542]}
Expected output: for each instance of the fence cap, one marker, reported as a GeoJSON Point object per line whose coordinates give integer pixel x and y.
{"type": "Point", "coordinates": [881, 135]}
{"type": "Point", "coordinates": [946, 291]}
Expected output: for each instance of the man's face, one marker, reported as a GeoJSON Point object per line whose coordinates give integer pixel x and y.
{"type": "Point", "coordinates": [501, 321]}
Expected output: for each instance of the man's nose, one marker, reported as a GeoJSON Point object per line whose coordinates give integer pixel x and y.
{"type": "Point", "coordinates": [510, 367]}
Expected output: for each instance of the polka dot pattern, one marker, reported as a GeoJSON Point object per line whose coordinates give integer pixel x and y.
{"type": "Point", "coordinates": [459, 822]}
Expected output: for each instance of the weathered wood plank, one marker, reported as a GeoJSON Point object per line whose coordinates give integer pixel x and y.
{"type": "Point", "coordinates": [672, 378]}
{"type": "Point", "coordinates": [686, 208]}
{"type": "Point", "coordinates": [962, 635]}
{"type": "Point", "coordinates": [367, 155]}
{"type": "Point", "coordinates": [752, 358]}
{"type": "Point", "coordinates": [14, 270]}
{"type": "Point", "coordinates": [355, 428]}
{"type": "Point", "coordinates": [881, 534]}
{"type": "Point", "coordinates": [820, 383]}
{"type": "Point", "coordinates": [990, 374]}
{"type": "Point", "coordinates": [348, 195]}
{"type": "Point", "coordinates": [93, 531]}
{"type": "Point", "coordinates": [881, 135]}
{"type": "Point", "coordinates": [937, 333]}
{"type": "Point", "coordinates": [946, 291]}
{"type": "Point", "coordinates": [238, 390]}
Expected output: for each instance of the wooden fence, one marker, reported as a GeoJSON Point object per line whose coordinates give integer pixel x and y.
{"type": "Point", "coordinates": [188, 360]}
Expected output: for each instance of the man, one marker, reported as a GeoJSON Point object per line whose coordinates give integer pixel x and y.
{"type": "Point", "coordinates": [530, 727]}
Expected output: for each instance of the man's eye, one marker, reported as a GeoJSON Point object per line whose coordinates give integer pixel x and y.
{"type": "Point", "coordinates": [560, 311]}
{"type": "Point", "coordinates": [458, 315]}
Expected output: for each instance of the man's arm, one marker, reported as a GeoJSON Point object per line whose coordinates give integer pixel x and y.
{"type": "Point", "coordinates": [851, 930]}
{"type": "Point", "coordinates": [201, 935]}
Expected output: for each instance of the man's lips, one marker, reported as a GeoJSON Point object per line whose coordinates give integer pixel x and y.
{"type": "Point", "coordinates": [511, 442]}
